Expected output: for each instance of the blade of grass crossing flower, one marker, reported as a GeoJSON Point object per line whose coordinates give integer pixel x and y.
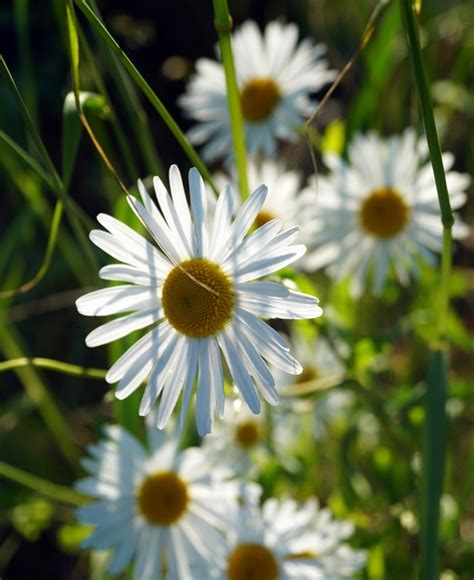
{"type": "Point", "coordinates": [223, 25]}
{"type": "Point", "coordinates": [69, 208]}
{"type": "Point", "coordinates": [148, 92]}
{"type": "Point", "coordinates": [42, 486]}
{"type": "Point", "coordinates": [434, 444]}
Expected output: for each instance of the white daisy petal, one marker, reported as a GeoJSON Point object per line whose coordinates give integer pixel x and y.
{"type": "Point", "coordinates": [121, 327]}
{"type": "Point", "coordinates": [200, 299]}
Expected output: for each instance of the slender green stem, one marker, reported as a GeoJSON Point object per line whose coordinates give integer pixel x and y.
{"type": "Point", "coordinates": [434, 435]}
{"type": "Point", "coordinates": [136, 113]}
{"type": "Point", "coordinates": [223, 25]}
{"type": "Point", "coordinates": [148, 92]}
{"type": "Point", "coordinates": [59, 187]}
{"type": "Point", "coordinates": [33, 164]}
{"type": "Point", "coordinates": [11, 344]}
{"type": "Point", "coordinates": [53, 236]}
{"type": "Point", "coordinates": [122, 140]}
{"type": "Point", "coordinates": [30, 161]}
{"type": "Point", "coordinates": [42, 486]}
{"type": "Point", "coordinates": [53, 365]}
{"type": "Point", "coordinates": [434, 449]}
{"type": "Point", "coordinates": [447, 217]}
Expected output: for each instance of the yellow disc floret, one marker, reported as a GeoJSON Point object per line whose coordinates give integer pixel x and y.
{"type": "Point", "coordinates": [162, 498]}
{"type": "Point", "coordinates": [198, 298]}
{"type": "Point", "coordinates": [308, 374]}
{"type": "Point", "coordinates": [259, 97]}
{"type": "Point", "coordinates": [384, 213]}
{"type": "Point", "coordinates": [262, 218]}
{"type": "Point", "coordinates": [252, 562]}
{"type": "Point", "coordinates": [247, 434]}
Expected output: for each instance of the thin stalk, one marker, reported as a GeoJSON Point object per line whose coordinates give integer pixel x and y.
{"type": "Point", "coordinates": [42, 486]}
{"type": "Point", "coordinates": [426, 106]}
{"type": "Point", "coordinates": [53, 236]}
{"type": "Point", "coordinates": [148, 92]}
{"type": "Point", "coordinates": [59, 187]}
{"type": "Point", "coordinates": [122, 140]}
{"type": "Point", "coordinates": [53, 365]}
{"type": "Point", "coordinates": [434, 450]}
{"type": "Point", "coordinates": [33, 164]}
{"type": "Point", "coordinates": [223, 25]}
{"type": "Point", "coordinates": [133, 106]}
{"type": "Point", "coordinates": [435, 399]}
{"type": "Point", "coordinates": [37, 391]}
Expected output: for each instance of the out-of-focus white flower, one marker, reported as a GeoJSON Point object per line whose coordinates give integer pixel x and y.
{"type": "Point", "coordinates": [287, 541]}
{"type": "Point", "coordinates": [276, 76]}
{"type": "Point", "coordinates": [380, 209]}
{"type": "Point", "coordinates": [162, 508]}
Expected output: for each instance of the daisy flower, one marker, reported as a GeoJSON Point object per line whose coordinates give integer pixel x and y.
{"type": "Point", "coordinates": [163, 509]}
{"type": "Point", "coordinates": [236, 438]}
{"type": "Point", "coordinates": [284, 201]}
{"type": "Point", "coordinates": [275, 76]}
{"type": "Point", "coordinates": [287, 541]}
{"type": "Point", "coordinates": [197, 287]}
{"type": "Point", "coordinates": [380, 209]}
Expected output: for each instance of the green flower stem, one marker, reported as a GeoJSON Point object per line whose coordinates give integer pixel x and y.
{"type": "Point", "coordinates": [447, 218]}
{"type": "Point", "coordinates": [53, 236]}
{"type": "Point", "coordinates": [148, 92]}
{"type": "Point", "coordinates": [48, 489]}
{"type": "Point", "coordinates": [223, 25]}
{"type": "Point", "coordinates": [435, 398]}
{"type": "Point", "coordinates": [53, 365]}
{"type": "Point", "coordinates": [59, 186]}
{"type": "Point", "coordinates": [37, 391]}
{"type": "Point", "coordinates": [434, 449]}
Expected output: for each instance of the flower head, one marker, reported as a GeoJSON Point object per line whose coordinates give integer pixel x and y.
{"type": "Point", "coordinates": [287, 541]}
{"type": "Point", "coordinates": [380, 209]}
{"type": "Point", "coordinates": [161, 508]}
{"type": "Point", "coordinates": [197, 287]}
{"type": "Point", "coordinates": [275, 76]}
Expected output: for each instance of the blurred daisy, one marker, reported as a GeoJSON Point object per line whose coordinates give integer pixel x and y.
{"type": "Point", "coordinates": [380, 209]}
{"type": "Point", "coordinates": [237, 438]}
{"type": "Point", "coordinates": [283, 201]}
{"type": "Point", "coordinates": [163, 509]}
{"type": "Point", "coordinates": [290, 542]}
{"type": "Point", "coordinates": [197, 287]}
{"type": "Point", "coordinates": [275, 76]}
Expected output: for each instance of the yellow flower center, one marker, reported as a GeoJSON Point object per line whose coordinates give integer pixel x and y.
{"type": "Point", "coordinates": [262, 218]}
{"type": "Point", "coordinates": [308, 374]}
{"type": "Point", "coordinates": [259, 97]}
{"type": "Point", "coordinates": [252, 562]}
{"type": "Point", "coordinates": [247, 434]}
{"type": "Point", "coordinates": [198, 298]}
{"type": "Point", "coordinates": [163, 498]}
{"type": "Point", "coordinates": [384, 213]}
